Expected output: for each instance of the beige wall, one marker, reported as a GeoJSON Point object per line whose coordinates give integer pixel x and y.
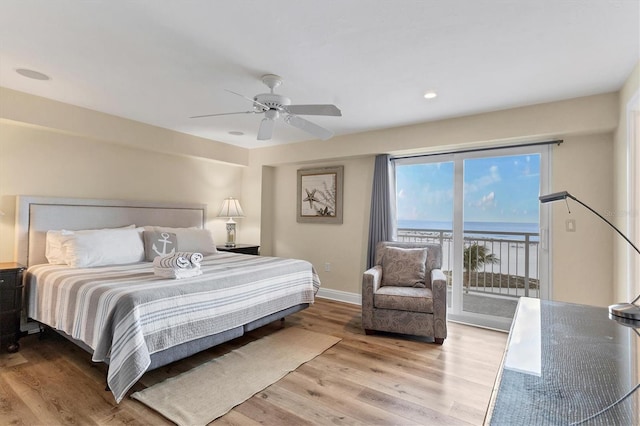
{"type": "Point", "coordinates": [36, 161]}
{"type": "Point", "coordinates": [583, 260]}
{"type": "Point", "coordinates": [626, 288]}
{"type": "Point", "coordinates": [342, 246]}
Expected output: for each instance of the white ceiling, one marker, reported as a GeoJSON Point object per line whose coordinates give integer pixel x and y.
{"type": "Point", "coordinates": [162, 61]}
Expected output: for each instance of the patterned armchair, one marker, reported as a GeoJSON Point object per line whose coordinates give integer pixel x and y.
{"type": "Point", "coordinates": [406, 291]}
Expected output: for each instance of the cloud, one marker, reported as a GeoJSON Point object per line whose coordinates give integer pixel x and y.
{"type": "Point", "coordinates": [488, 200]}
{"type": "Point", "coordinates": [492, 176]}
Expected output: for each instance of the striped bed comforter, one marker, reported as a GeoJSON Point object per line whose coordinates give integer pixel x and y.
{"type": "Point", "coordinates": [125, 313]}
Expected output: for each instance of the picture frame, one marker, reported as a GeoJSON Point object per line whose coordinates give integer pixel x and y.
{"type": "Point", "coordinates": [320, 195]}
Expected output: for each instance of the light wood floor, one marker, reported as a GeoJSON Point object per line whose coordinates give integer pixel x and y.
{"type": "Point", "coordinates": [365, 380]}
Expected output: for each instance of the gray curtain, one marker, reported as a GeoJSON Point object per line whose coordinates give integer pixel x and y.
{"type": "Point", "coordinates": [382, 223]}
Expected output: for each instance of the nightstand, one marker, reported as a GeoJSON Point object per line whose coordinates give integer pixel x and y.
{"type": "Point", "coordinates": [241, 248]}
{"type": "Point", "coordinates": [10, 304]}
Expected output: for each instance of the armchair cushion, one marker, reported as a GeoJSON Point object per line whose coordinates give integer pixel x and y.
{"type": "Point", "coordinates": [404, 299]}
{"type": "Point", "coordinates": [404, 267]}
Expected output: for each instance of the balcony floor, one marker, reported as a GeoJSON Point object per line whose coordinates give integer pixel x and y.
{"type": "Point", "coordinates": [488, 304]}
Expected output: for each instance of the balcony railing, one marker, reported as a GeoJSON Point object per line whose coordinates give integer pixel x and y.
{"type": "Point", "coordinates": [513, 272]}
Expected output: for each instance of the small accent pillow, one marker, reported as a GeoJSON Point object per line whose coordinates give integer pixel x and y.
{"type": "Point", "coordinates": [194, 240]}
{"type": "Point", "coordinates": [404, 267]}
{"type": "Point", "coordinates": [158, 243]}
{"type": "Point", "coordinates": [85, 249]}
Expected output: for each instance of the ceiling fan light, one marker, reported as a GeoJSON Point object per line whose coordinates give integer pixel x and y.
{"type": "Point", "coordinates": [266, 129]}
{"type": "Point", "coordinates": [272, 114]}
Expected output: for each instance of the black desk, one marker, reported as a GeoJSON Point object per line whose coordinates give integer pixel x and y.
{"type": "Point", "coordinates": [563, 364]}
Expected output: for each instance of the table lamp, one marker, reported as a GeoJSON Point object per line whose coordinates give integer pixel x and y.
{"type": "Point", "coordinates": [231, 208]}
{"type": "Point", "coordinates": [625, 311]}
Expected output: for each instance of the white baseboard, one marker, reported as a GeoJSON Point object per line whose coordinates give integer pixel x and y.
{"type": "Point", "coordinates": [340, 296]}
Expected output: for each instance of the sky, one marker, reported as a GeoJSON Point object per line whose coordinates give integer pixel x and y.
{"type": "Point", "coordinates": [496, 189]}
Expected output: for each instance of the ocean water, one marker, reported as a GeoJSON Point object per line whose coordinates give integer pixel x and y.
{"type": "Point", "coordinates": [510, 249]}
{"type": "Point", "coordinates": [472, 226]}
{"type": "Point", "coordinates": [487, 228]}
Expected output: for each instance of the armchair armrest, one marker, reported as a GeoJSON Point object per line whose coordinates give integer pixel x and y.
{"type": "Point", "coordinates": [373, 277]}
{"type": "Point", "coordinates": [371, 280]}
{"type": "Point", "coordinates": [438, 275]}
{"type": "Point", "coordinates": [439, 291]}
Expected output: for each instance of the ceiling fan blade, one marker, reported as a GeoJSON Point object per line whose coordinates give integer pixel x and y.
{"type": "Point", "coordinates": [328, 109]}
{"type": "Point", "coordinates": [265, 107]}
{"type": "Point", "coordinates": [224, 113]}
{"type": "Point", "coordinates": [266, 129]}
{"type": "Point", "coordinates": [309, 127]}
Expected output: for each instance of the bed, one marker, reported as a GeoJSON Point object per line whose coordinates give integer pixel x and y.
{"type": "Point", "coordinates": [127, 316]}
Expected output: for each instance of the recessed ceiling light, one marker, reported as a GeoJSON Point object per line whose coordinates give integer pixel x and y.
{"type": "Point", "coordinates": [35, 75]}
{"type": "Point", "coordinates": [236, 133]}
{"type": "Point", "coordinates": [430, 94]}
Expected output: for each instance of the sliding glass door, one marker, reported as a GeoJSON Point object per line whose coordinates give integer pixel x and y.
{"type": "Point", "coordinates": [483, 208]}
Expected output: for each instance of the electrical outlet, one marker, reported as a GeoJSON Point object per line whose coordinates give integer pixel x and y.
{"type": "Point", "coordinates": [327, 267]}
{"type": "Point", "coordinates": [570, 225]}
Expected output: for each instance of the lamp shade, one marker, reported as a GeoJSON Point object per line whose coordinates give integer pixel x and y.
{"type": "Point", "coordinates": [231, 208]}
{"type": "Point", "coordinates": [554, 197]}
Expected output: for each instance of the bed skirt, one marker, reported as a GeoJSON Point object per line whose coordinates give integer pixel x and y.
{"type": "Point", "coordinates": [184, 350]}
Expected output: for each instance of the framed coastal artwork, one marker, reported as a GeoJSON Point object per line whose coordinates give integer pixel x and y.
{"type": "Point", "coordinates": [320, 195]}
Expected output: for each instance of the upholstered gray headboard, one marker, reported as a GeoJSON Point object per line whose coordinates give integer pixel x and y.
{"type": "Point", "coordinates": [36, 215]}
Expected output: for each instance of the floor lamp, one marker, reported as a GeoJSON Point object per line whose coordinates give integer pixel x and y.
{"type": "Point", "coordinates": [231, 208]}
{"type": "Point", "coordinates": [626, 311]}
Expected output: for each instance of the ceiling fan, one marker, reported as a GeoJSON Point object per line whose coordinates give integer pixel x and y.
{"type": "Point", "coordinates": [273, 106]}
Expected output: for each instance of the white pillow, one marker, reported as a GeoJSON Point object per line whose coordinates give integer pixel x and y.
{"type": "Point", "coordinates": [54, 243]}
{"type": "Point", "coordinates": [103, 247]}
{"type": "Point", "coordinates": [193, 240]}
{"type": "Point", "coordinates": [53, 248]}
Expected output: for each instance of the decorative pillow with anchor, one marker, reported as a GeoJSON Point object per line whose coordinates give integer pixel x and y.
{"type": "Point", "coordinates": [159, 243]}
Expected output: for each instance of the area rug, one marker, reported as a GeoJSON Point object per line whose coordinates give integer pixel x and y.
{"type": "Point", "coordinates": [204, 393]}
